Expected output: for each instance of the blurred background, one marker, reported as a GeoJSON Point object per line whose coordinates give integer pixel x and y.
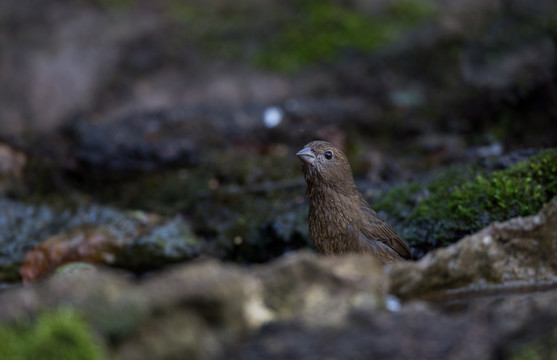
{"type": "Point", "coordinates": [140, 134]}
{"type": "Point", "coordinates": [193, 110]}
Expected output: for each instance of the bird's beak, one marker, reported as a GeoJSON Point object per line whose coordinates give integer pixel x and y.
{"type": "Point", "coordinates": [306, 155]}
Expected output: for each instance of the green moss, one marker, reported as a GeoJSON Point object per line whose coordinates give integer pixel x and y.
{"type": "Point", "coordinates": [291, 35]}
{"type": "Point", "coordinates": [454, 205]}
{"type": "Point", "coordinates": [222, 29]}
{"type": "Point", "coordinates": [322, 30]}
{"type": "Point", "coordinates": [117, 4]}
{"type": "Point", "coordinates": [61, 335]}
{"type": "Point", "coordinates": [541, 348]}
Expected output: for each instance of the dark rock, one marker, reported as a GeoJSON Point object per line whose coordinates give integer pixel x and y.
{"type": "Point", "coordinates": [189, 135]}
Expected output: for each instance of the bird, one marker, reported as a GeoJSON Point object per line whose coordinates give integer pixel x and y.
{"type": "Point", "coordinates": [340, 220]}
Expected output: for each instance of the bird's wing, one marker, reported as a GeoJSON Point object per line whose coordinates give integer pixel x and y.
{"type": "Point", "coordinates": [374, 228]}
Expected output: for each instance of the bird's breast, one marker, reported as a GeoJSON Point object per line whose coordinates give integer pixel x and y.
{"type": "Point", "coordinates": [332, 226]}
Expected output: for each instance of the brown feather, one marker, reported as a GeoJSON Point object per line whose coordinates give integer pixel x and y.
{"type": "Point", "coordinates": [340, 220]}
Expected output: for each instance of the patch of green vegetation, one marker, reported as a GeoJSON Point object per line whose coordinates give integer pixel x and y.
{"type": "Point", "coordinates": [291, 35]}
{"type": "Point", "coordinates": [61, 335]}
{"type": "Point", "coordinates": [454, 205]}
{"type": "Point", "coordinates": [223, 29]}
{"type": "Point", "coordinates": [323, 29]}
{"type": "Point", "coordinates": [541, 348]}
{"type": "Point", "coordinates": [116, 4]}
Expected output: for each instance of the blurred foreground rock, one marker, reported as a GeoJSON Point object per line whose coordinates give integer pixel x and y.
{"type": "Point", "coordinates": [195, 311]}
{"type": "Point", "coordinates": [304, 306]}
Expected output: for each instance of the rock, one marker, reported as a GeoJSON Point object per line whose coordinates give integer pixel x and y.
{"type": "Point", "coordinates": [520, 249]}
{"type": "Point", "coordinates": [86, 243]}
{"type": "Point", "coordinates": [40, 238]}
{"type": "Point", "coordinates": [489, 330]}
{"type": "Point", "coordinates": [192, 312]}
{"type": "Point", "coordinates": [302, 306]}
{"type": "Point", "coordinates": [414, 334]}
{"type": "Point", "coordinates": [319, 290]}
{"type": "Point", "coordinates": [191, 134]}
{"type": "Point", "coordinates": [198, 309]}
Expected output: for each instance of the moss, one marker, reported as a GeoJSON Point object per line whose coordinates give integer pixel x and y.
{"type": "Point", "coordinates": [541, 348]}
{"type": "Point", "coordinates": [453, 204]}
{"type": "Point", "coordinates": [321, 30]}
{"type": "Point", "coordinates": [61, 335]}
{"type": "Point", "coordinates": [291, 35]}
{"type": "Point", "coordinates": [118, 5]}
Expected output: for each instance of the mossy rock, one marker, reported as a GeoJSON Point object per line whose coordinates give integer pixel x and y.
{"type": "Point", "coordinates": [460, 202]}
{"type": "Point", "coordinates": [62, 334]}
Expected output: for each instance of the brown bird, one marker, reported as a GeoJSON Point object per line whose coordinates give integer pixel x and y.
{"type": "Point", "coordinates": [340, 220]}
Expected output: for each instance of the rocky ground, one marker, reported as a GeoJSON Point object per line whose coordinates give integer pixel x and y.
{"type": "Point", "coordinates": [151, 205]}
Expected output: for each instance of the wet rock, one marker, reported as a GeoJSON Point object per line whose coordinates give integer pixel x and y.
{"type": "Point", "coordinates": [41, 238]}
{"type": "Point", "coordinates": [12, 165]}
{"type": "Point", "coordinates": [520, 249]}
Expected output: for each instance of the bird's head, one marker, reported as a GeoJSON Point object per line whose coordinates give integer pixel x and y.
{"type": "Point", "coordinates": [324, 164]}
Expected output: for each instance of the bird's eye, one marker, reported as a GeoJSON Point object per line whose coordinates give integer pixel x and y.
{"type": "Point", "coordinates": [328, 155]}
